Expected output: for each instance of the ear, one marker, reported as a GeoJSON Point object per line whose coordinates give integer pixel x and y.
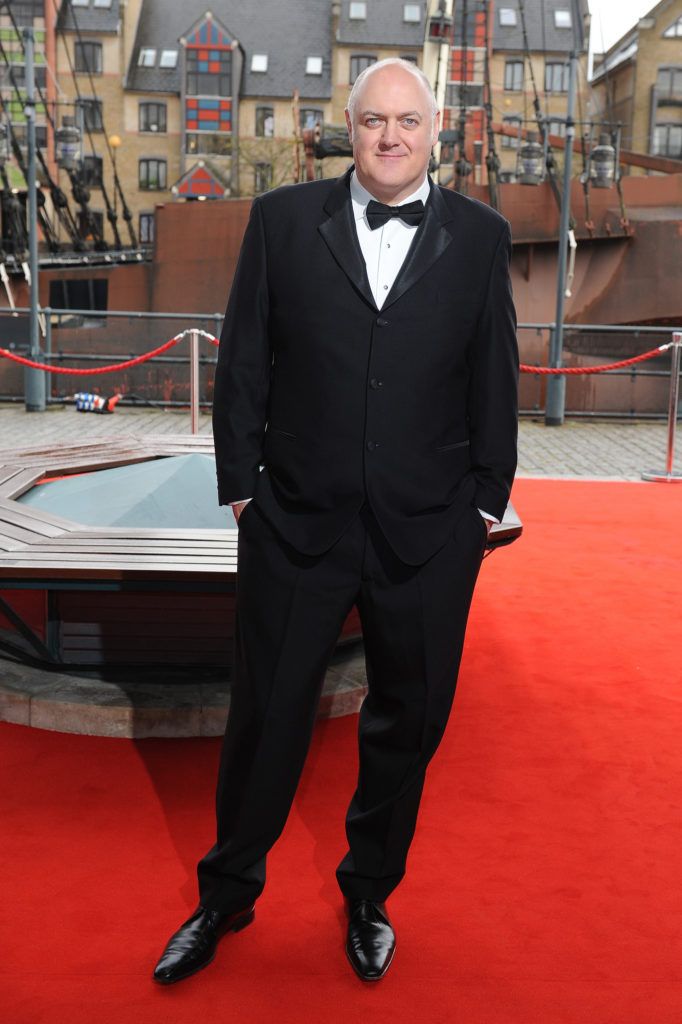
{"type": "Point", "coordinates": [349, 126]}
{"type": "Point", "coordinates": [436, 128]}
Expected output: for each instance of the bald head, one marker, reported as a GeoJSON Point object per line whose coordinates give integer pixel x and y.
{"type": "Point", "coordinates": [393, 123]}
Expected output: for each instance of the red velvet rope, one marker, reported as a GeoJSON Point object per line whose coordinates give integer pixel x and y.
{"type": "Point", "coordinates": [75, 371]}
{"type": "Point", "coordinates": [572, 370]}
{"type": "Point", "coordinates": [575, 370]}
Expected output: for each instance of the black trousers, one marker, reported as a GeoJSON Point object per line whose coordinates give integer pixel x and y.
{"type": "Point", "coordinates": [289, 613]}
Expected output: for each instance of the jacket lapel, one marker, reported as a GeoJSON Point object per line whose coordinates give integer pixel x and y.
{"type": "Point", "coordinates": [341, 238]}
{"type": "Point", "coordinates": [429, 243]}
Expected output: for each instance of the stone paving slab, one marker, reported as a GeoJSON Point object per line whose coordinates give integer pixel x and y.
{"type": "Point", "coordinates": [145, 704]}
{"type": "Point", "coordinates": [604, 449]}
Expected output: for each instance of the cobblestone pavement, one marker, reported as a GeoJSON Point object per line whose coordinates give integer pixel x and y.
{"type": "Point", "coordinates": [617, 449]}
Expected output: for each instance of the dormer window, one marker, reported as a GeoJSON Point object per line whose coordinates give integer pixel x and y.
{"type": "Point", "coordinates": [168, 59]}
{"type": "Point", "coordinates": [507, 17]}
{"type": "Point", "coordinates": [412, 13]}
{"type": "Point", "coordinates": [147, 58]}
{"type": "Point", "coordinates": [259, 62]}
{"type": "Point", "coordinates": [313, 66]}
{"type": "Point", "coordinates": [562, 18]}
{"type": "Point", "coordinates": [357, 11]}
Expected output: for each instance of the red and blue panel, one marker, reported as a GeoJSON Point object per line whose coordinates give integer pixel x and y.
{"type": "Point", "coordinates": [208, 115]}
{"type": "Point", "coordinates": [208, 35]}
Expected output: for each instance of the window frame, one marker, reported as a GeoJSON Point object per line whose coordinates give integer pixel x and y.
{"type": "Point", "coordinates": [371, 58]}
{"type": "Point", "coordinates": [259, 121]}
{"type": "Point", "coordinates": [563, 72]}
{"type": "Point", "coordinates": [311, 62]}
{"type": "Point", "coordinates": [515, 64]}
{"type": "Point", "coordinates": [168, 67]}
{"type": "Point", "coordinates": [79, 50]}
{"type": "Point", "coordinates": [143, 105]}
{"type": "Point", "coordinates": [510, 13]}
{"type": "Point", "coordinates": [161, 162]}
{"type": "Point", "coordinates": [146, 62]}
{"type": "Point", "coordinates": [412, 7]}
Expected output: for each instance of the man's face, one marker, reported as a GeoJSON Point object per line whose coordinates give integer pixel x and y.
{"type": "Point", "coordinates": [393, 134]}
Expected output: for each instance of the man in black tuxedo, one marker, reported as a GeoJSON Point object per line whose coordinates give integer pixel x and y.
{"type": "Point", "coordinates": [366, 403]}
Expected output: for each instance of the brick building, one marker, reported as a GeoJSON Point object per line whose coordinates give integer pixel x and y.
{"type": "Point", "coordinates": [638, 81]}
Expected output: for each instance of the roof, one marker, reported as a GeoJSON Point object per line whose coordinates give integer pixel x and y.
{"type": "Point", "coordinates": [542, 33]}
{"type": "Point", "coordinates": [383, 26]}
{"type": "Point", "coordinates": [287, 32]}
{"type": "Point", "coordinates": [89, 19]}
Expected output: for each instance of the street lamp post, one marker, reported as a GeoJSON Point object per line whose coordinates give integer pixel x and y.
{"type": "Point", "coordinates": [556, 385]}
{"type": "Point", "coordinates": [34, 380]}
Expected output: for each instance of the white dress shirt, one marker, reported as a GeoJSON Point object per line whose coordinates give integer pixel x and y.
{"type": "Point", "coordinates": [384, 249]}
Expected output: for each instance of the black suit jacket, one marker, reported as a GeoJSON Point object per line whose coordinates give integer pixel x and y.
{"type": "Point", "coordinates": [412, 407]}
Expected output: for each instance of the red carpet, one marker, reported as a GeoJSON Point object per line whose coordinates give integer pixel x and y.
{"type": "Point", "coordinates": [544, 882]}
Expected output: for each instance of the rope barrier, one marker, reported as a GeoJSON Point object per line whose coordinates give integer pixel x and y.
{"type": "Point", "coordinates": [113, 367]}
{"type": "Point", "coordinates": [576, 370]}
{"type": "Point", "coordinates": [78, 371]}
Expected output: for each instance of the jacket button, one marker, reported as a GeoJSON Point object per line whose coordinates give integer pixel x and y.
{"type": "Point", "coordinates": [371, 445]}
{"type": "Point", "coordinates": [374, 383]}
{"type": "Point", "coordinates": [383, 323]}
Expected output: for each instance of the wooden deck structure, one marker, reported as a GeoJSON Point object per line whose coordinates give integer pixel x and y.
{"type": "Point", "coordinates": [80, 595]}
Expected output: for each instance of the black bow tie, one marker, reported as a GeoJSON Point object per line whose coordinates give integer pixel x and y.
{"type": "Point", "coordinates": [379, 213]}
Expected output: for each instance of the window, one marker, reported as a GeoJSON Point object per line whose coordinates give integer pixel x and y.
{"type": "Point", "coordinates": [675, 30]}
{"type": "Point", "coordinates": [259, 62]}
{"type": "Point", "coordinates": [562, 18]}
{"type": "Point", "coordinates": [668, 140]}
{"type": "Point", "coordinates": [147, 57]}
{"type": "Point", "coordinates": [507, 17]}
{"type": "Point", "coordinates": [556, 127]}
{"type": "Point", "coordinates": [511, 121]}
{"type": "Point", "coordinates": [92, 171]}
{"type": "Point", "coordinates": [556, 77]}
{"type": "Point", "coordinates": [80, 3]}
{"type": "Point", "coordinates": [91, 112]}
{"type": "Point", "coordinates": [265, 122]}
{"type": "Point", "coordinates": [357, 11]}
{"type": "Point", "coordinates": [79, 293]}
{"type": "Point", "coordinates": [471, 94]}
{"type": "Point", "coordinates": [412, 57]}
{"type": "Point", "coordinates": [146, 231]}
{"type": "Point", "coordinates": [152, 174]}
{"type": "Point", "coordinates": [262, 177]}
{"type": "Point", "coordinates": [152, 117]}
{"type": "Point", "coordinates": [358, 63]}
{"type": "Point", "coordinates": [412, 13]}
{"type": "Point", "coordinates": [313, 66]}
{"type": "Point", "coordinates": [209, 83]}
{"type": "Point", "coordinates": [208, 143]}
{"type": "Point", "coordinates": [669, 83]}
{"type": "Point", "coordinates": [101, 3]}
{"type": "Point", "coordinates": [513, 75]}
{"type": "Point", "coordinates": [92, 226]}
{"type": "Point", "coordinates": [89, 57]}
{"type": "Point", "coordinates": [168, 59]}
{"type": "Point", "coordinates": [19, 133]}
{"type": "Point", "coordinates": [12, 75]}
{"type": "Point", "coordinates": [309, 117]}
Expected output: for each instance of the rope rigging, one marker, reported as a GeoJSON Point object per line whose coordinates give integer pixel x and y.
{"type": "Point", "coordinates": [59, 200]}
{"type": "Point", "coordinates": [492, 160]}
{"type": "Point", "coordinates": [111, 213]}
{"type": "Point", "coordinates": [462, 165]}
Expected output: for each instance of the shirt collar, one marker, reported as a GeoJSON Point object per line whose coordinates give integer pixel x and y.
{"type": "Point", "coordinates": [361, 197]}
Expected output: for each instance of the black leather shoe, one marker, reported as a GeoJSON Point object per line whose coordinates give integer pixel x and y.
{"type": "Point", "coordinates": [194, 944]}
{"type": "Point", "coordinates": [371, 940]}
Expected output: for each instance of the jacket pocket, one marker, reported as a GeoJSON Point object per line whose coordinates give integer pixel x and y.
{"type": "Point", "coordinates": [452, 445]}
{"type": "Point", "coordinates": [283, 433]}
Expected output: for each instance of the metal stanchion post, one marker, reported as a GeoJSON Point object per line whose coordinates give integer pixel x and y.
{"type": "Point", "coordinates": [34, 382]}
{"type": "Point", "coordinates": [670, 476]}
{"type": "Point", "coordinates": [194, 380]}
